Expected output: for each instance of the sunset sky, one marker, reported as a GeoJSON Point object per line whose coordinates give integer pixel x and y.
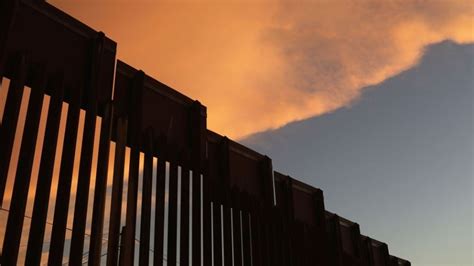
{"type": "Point", "coordinates": [258, 65]}
{"type": "Point", "coordinates": [371, 101]}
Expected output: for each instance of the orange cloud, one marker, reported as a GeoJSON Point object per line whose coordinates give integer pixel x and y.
{"type": "Point", "coordinates": [258, 65]}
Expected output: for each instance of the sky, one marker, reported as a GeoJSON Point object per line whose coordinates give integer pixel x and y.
{"type": "Point", "coordinates": [374, 98]}
{"type": "Point", "coordinates": [259, 65]}
{"type": "Point", "coordinates": [399, 161]}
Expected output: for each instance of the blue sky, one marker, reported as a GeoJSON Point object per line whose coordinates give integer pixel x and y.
{"type": "Point", "coordinates": [399, 161]}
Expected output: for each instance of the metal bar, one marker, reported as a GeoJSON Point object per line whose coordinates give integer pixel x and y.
{"type": "Point", "coordinates": [131, 214]}
{"type": "Point", "coordinates": [246, 229]}
{"type": "Point", "coordinates": [217, 232]}
{"type": "Point", "coordinates": [265, 224]}
{"type": "Point", "coordinates": [135, 111]}
{"type": "Point", "coordinates": [45, 176]}
{"type": "Point", "coordinates": [159, 212]}
{"type": "Point", "coordinates": [246, 238]}
{"type": "Point", "coordinates": [146, 201]}
{"type": "Point", "coordinates": [83, 182]}
{"type": "Point", "coordinates": [198, 153]}
{"type": "Point", "coordinates": [285, 242]}
{"type": "Point", "coordinates": [196, 219]}
{"type": "Point", "coordinates": [64, 183]}
{"type": "Point", "coordinates": [274, 238]}
{"type": "Point", "coordinates": [227, 233]}
{"type": "Point", "coordinates": [117, 190]}
{"type": "Point", "coordinates": [225, 198]}
{"type": "Point", "coordinates": [172, 213]}
{"type": "Point", "coordinates": [236, 228]}
{"type": "Point", "coordinates": [206, 220]}
{"type": "Point", "coordinates": [95, 247]}
{"type": "Point", "coordinates": [257, 233]}
{"type": "Point", "coordinates": [10, 120]}
{"type": "Point", "coordinates": [122, 245]}
{"type": "Point", "coordinates": [184, 223]}
{"type": "Point", "coordinates": [11, 244]}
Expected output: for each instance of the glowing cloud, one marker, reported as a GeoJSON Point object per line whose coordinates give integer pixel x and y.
{"type": "Point", "coordinates": [259, 65]}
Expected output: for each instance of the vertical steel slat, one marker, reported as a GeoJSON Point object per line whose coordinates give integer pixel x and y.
{"type": "Point", "coordinates": [227, 233]}
{"type": "Point", "coordinates": [159, 212]}
{"type": "Point", "coordinates": [131, 211]}
{"type": "Point", "coordinates": [258, 237]}
{"type": "Point", "coordinates": [282, 230]}
{"type": "Point", "coordinates": [206, 220]}
{"type": "Point", "coordinates": [197, 123]}
{"type": "Point", "coordinates": [117, 190]}
{"type": "Point", "coordinates": [172, 213]}
{"type": "Point", "coordinates": [11, 244]}
{"type": "Point", "coordinates": [122, 245]}
{"type": "Point", "coordinates": [253, 207]}
{"type": "Point", "coordinates": [271, 237]}
{"type": "Point", "coordinates": [236, 228]}
{"type": "Point", "coordinates": [216, 222]}
{"type": "Point", "coordinates": [295, 244]}
{"type": "Point", "coordinates": [274, 237]}
{"type": "Point", "coordinates": [246, 228]}
{"type": "Point", "coordinates": [95, 248]}
{"type": "Point", "coordinates": [146, 200]}
{"type": "Point", "coordinates": [10, 120]}
{"type": "Point", "coordinates": [135, 118]}
{"type": "Point", "coordinates": [83, 182]}
{"type": "Point", "coordinates": [196, 219]}
{"type": "Point", "coordinates": [83, 185]}
{"type": "Point", "coordinates": [258, 240]}
{"type": "Point", "coordinates": [283, 237]}
{"type": "Point", "coordinates": [265, 240]}
{"type": "Point", "coordinates": [45, 176]}
{"type": "Point", "coordinates": [246, 237]}
{"type": "Point", "coordinates": [64, 182]}
{"type": "Point", "coordinates": [184, 231]}
{"type": "Point", "coordinates": [224, 192]}
{"type": "Point", "coordinates": [217, 231]}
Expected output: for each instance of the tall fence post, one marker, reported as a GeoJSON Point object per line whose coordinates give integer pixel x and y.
{"type": "Point", "coordinates": [132, 192]}
{"type": "Point", "coordinates": [117, 191]}
{"type": "Point", "coordinates": [85, 166]}
{"type": "Point", "coordinates": [100, 190]}
{"type": "Point", "coordinates": [198, 154]}
{"type": "Point", "coordinates": [158, 256]}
